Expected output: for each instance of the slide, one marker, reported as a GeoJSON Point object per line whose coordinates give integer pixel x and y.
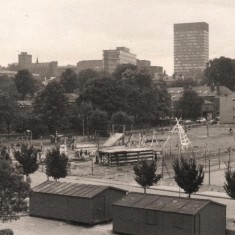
{"type": "Point", "coordinates": [113, 139]}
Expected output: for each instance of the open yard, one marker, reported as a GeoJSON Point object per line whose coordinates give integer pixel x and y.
{"type": "Point", "coordinates": [214, 151]}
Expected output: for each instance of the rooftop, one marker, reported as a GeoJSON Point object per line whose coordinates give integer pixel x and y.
{"type": "Point", "coordinates": [164, 203]}
{"type": "Point", "coordinates": [71, 189]}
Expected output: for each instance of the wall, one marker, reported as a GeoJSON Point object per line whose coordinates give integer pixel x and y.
{"type": "Point", "coordinates": [60, 207]}
{"type": "Point", "coordinates": [141, 221]}
{"type": "Point", "coordinates": [213, 220]}
{"type": "Point", "coordinates": [227, 108]}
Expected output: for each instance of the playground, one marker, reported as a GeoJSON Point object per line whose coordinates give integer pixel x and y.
{"type": "Point", "coordinates": [213, 147]}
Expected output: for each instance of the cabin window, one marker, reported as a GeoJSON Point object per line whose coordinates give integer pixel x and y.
{"type": "Point", "coordinates": [151, 217]}
{"type": "Point", "coordinates": [178, 221]}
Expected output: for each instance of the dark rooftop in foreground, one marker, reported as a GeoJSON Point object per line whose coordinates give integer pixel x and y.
{"type": "Point", "coordinates": [71, 189]}
{"type": "Point", "coordinates": [163, 203]}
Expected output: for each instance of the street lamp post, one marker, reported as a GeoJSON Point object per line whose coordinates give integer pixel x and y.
{"type": "Point", "coordinates": [233, 110]}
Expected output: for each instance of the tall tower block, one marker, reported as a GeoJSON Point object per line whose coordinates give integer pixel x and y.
{"type": "Point", "coordinates": [191, 48]}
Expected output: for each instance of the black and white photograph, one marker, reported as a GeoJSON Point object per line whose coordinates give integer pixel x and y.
{"type": "Point", "coordinates": [117, 117]}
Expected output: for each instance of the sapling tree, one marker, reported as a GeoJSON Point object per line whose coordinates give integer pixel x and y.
{"type": "Point", "coordinates": [27, 159]}
{"type": "Point", "coordinates": [229, 185]}
{"type": "Point", "coordinates": [56, 164]}
{"type": "Point", "coordinates": [188, 175]}
{"type": "Point", "coordinates": [145, 174]}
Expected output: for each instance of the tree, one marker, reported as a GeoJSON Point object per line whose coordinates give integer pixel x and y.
{"type": "Point", "coordinates": [27, 159]}
{"type": "Point", "coordinates": [137, 96]}
{"type": "Point", "coordinates": [85, 109]}
{"type": "Point", "coordinates": [153, 103]}
{"type": "Point", "coordinates": [229, 186]}
{"type": "Point", "coordinates": [25, 83]}
{"type": "Point", "coordinates": [124, 71]}
{"type": "Point", "coordinates": [13, 191]}
{"type": "Point", "coordinates": [51, 106]}
{"type": "Point", "coordinates": [105, 94]}
{"type": "Point", "coordinates": [188, 175]}
{"type": "Point", "coordinates": [26, 120]}
{"type": "Point", "coordinates": [56, 164]}
{"type": "Point", "coordinates": [99, 121]}
{"type": "Point", "coordinates": [221, 71]}
{"type": "Point", "coordinates": [8, 110]}
{"type": "Point", "coordinates": [140, 78]}
{"type": "Point", "coordinates": [69, 80]}
{"type": "Point", "coordinates": [145, 174]}
{"type": "Point", "coordinates": [7, 85]}
{"type": "Point", "coordinates": [121, 118]}
{"type": "Point", "coordinates": [190, 104]}
{"type": "Point", "coordinates": [86, 76]}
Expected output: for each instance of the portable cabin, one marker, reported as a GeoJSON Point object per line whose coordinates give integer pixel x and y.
{"type": "Point", "coordinates": [82, 203]}
{"type": "Point", "coordinates": [138, 213]}
{"type": "Point", "coordinates": [118, 156]}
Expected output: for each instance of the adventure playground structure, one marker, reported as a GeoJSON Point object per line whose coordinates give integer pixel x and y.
{"type": "Point", "coordinates": [116, 151]}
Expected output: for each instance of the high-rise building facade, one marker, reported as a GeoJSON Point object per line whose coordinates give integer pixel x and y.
{"type": "Point", "coordinates": [191, 48]}
{"type": "Point", "coordinates": [113, 58]}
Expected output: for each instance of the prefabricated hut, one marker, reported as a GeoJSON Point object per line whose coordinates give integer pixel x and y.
{"type": "Point", "coordinates": [117, 156]}
{"type": "Point", "coordinates": [138, 213]}
{"type": "Point", "coordinates": [82, 203]}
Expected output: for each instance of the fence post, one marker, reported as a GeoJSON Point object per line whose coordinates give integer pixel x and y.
{"type": "Point", "coordinates": [162, 163]}
{"type": "Point", "coordinates": [92, 165]}
{"type": "Point", "coordinates": [209, 171]}
{"type": "Point", "coordinates": [229, 156]}
{"type": "Point", "coordinates": [219, 159]}
{"type": "Point", "coordinates": [205, 160]}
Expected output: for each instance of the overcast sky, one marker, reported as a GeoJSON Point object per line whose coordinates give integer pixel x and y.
{"type": "Point", "coordinates": [73, 30]}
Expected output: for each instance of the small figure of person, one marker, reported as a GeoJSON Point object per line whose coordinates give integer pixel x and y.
{"type": "Point", "coordinates": [230, 130]}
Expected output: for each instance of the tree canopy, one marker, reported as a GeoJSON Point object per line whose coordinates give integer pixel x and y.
{"type": "Point", "coordinates": [145, 174]}
{"type": "Point", "coordinates": [56, 164]}
{"type": "Point", "coordinates": [190, 104]}
{"type": "Point", "coordinates": [229, 185]}
{"type": "Point", "coordinates": [8, 110]}
{"type": "Point", "coordinates": [99, 121]}
{"type": "Point", "coordinates": [69, 80]}
{"type": "Point", "coordinates": [13, 191]}
{"type": "Point", "coordinates": [25, 83]}
{"type": "Point", "coordinates": [51, 106]}
{"type": "Point", "coordinates": [85, 76]}
{"type": "Point", "coordinates": [137, 95]}
{"type": "Point", "coordinates": [124, 71]}
{"type": "Point", "coordinates": [221, 71]}
{"type": "Point", "coordinates": [187, 174]}
{"type": "Point", "coordinates": [84, 111]}
{"type": "Point", "coordinates": [105, 94]}
{"type": "Point", "coordinates": [27, 159]}
{"type": "Point", "coordinates": [121, 118]}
